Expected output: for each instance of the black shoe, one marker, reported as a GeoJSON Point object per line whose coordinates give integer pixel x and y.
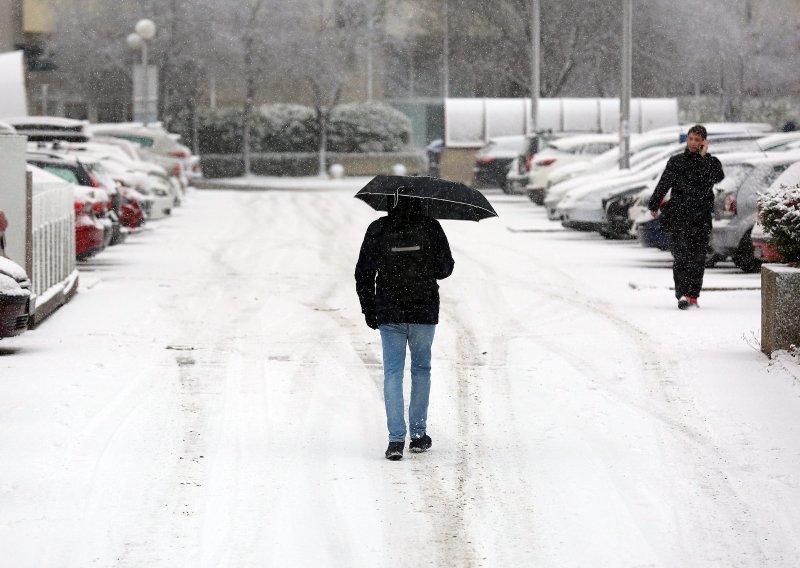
{"type": "Point", "coordinates": [684, 303]}
{"type": "Point", "coordinates": [421, 444]}
{"type": "Point", "coordinates": [395, 451]}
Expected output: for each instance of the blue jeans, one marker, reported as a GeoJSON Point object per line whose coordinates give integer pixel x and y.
{"type": "Point", "coordinates": [394, 338]}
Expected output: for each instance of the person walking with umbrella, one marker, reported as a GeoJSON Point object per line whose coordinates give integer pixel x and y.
{"type": "Point", "coordinates": [690, 177]}
{"type": "Point", "coordinates": [402, 257]}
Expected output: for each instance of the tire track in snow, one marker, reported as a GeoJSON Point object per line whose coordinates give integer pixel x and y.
{"type": "Point", "coordinates": [675, 411]}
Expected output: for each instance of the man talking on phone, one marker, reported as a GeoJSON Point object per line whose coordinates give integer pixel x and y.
{"type": "Point", "coordinates": [687, 216]}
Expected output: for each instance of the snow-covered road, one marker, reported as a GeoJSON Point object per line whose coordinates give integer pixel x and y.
{"type": "Point", "coordinates": [212, 398]}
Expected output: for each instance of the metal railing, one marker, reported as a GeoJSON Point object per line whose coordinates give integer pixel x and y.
{"type": "Point", "coordinates": [53, 223]}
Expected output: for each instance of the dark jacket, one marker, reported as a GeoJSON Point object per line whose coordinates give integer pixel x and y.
{"type": "Point", "coordinates": [691, 177]}
{"type": "Point", "coordinates": [402, 256]}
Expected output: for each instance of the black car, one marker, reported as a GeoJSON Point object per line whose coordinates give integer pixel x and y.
{"type": "Point", "coordinates": [15, 292]}
{"type": "Point", "coordinates": [494, 160]}
{"type": "Point", "coordinates": [617, 224]}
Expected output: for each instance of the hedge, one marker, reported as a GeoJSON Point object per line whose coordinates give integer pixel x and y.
{"type": "Point", "coordinates": [356, 127]}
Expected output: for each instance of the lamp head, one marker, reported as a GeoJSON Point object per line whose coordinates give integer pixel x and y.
{"type": "Point", "coordinates": [146, 28]}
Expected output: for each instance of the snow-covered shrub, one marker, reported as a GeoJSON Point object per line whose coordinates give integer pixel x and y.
{"type": "Point", "coordinates": [367, 127]}
{"type": "Point", "coordinates": [356, 127]}
{"type": "Point", "coordinates": [290, 128]}
{"type": "Point", "coordinates": [780, 215]}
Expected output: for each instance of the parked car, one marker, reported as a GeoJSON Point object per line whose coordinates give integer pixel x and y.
{"type": "Point", "coordinates": [617, 223]}
{"type": "Point", "coordinates": [564, 151]}
{"type": "Point", "coordinates": [517, 177]}
{"type": "Point", "coordinates": [583, 207]}
{"type": "Point", "coordinates": [493, 161]}
{"type": "Point", "coordinates": [49, 128]}
{"type": "Point", "coordinates": [763, 249]}
{"type": "Point", "coordinates": [92, 235]}
{"type": "Point", "coordinates": [155, 144]}
{"type": "Point", "coordinates": [103, 194]}
{"type": "Point", "coordinates": [649, 231]}
{"type": "Point", "coordinates": [15, 296]}
{"type": "Point", "coordinates": [731, 235]}
{"type": "Point", "coordinates": [641, 146]}
{"type": "Point", "coordinates": [640, 161]}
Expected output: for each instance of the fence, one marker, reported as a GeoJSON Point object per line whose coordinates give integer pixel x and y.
{"type": "Point", "coordinates": [53, 273]}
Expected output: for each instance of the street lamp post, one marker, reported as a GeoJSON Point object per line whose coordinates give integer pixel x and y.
{"type": "Point", "coordinates": [145, 30]}
{"type": "Point", "coordinates": [536, 14]}
{"type": "Point", "coordinates": [625, 95]}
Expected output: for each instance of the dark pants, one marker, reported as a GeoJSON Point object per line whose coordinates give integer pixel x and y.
{"type": "Point", "coordinates": [689, 245]}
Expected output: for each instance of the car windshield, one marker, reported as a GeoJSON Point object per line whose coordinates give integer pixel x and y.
{"type": "Point", "coordinates": [64, 173]}
{"type": "Point", "coordinates": [143, 141]}
{"type": "Point", "coordinates": [735, 174]}
{"type": "Point", "coordinates": [761, 177]}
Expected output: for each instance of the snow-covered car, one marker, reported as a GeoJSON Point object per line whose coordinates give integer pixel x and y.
{"type": "Point", "coordinates": [15, 298]}
{"type": "Point", "coordinates": [649, 231]}
{"type": "Point", "coordinates": [655, 139]}
{"type": "Point", "coordinates": [103, 153]}
{"type": "Point", "coordinates": [6, 128]}
{"type": "Point", "coordinates": [763, 249]}
{"type": "Point", "coordinates": [731, 235]}
{"type": "Point", "coordinates": [722, 143]}
{"type": "Point", "coordinates": [103, 195]}
{"type": "Point", "coordinates": [564, 151]}
{"type": "Point", "coordinates": [641, 146]}
{"type": "Point", "coordinates": [517, 177]}
{"type": "Point", "coordinates": [158, 191]}
{"type": "Point", "coordinates": [493, 161]}
{"type": "Point", "coordinates": [49, 128]}
{"type": "Point", "coordinates": [155, 144]}
{"type": "Point", "coordinates": [617, 223]}
{"type": "Point", "coordinates": [583, 207]}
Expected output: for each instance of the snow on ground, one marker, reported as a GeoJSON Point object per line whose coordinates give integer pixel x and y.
{"type": "Point", "coordinates": [212, 397]}
{"type": "Point", "coordinates": [307, 183]}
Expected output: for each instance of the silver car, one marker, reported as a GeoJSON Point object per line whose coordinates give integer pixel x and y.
{"type": "Point", "coordinates": [736, 210]}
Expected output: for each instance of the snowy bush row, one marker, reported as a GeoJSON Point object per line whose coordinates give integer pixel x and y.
{"type": "Point", "coordinates": [355, 127]}
{"type": "Point", "coordinates": [780, 215]}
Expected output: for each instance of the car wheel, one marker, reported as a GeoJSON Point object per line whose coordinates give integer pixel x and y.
{"type": "Point", "coordinates": [744, 258]}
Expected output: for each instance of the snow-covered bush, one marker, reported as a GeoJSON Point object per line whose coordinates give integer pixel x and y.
{"type": "Point", "coordinates": [780, 215]}
{"type": "Point", "coordinates": [367, 127]}
{"type": "Point", "coordinates": [289, 128]}
{"type": "Point", "coordinates": [356, 127]}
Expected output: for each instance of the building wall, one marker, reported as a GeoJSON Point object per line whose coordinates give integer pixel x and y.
{"type": "Point", "coordinates": [9, 24]}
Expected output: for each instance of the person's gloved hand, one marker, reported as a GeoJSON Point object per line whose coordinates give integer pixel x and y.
{"type": "Point", "coordinates": [371, 319]}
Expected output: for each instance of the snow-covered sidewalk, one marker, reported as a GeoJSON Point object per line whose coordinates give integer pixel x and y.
{"type": "Point", "coordinates": [304, 183]}
{"type": "Point", "coordinates": [212, 397]}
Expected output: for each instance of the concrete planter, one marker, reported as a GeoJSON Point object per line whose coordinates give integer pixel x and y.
{"type": "Point", "coordinates": [780, 307]}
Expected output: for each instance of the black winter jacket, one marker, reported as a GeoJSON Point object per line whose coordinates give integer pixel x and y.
{"type": "Point", "coordinates": [691, 177]}
{"type": "Point", "coordinates": [402, 256]}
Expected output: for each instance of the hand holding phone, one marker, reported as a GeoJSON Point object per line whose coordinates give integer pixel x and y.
{"type": "Point", "coordinates": [704, 148]}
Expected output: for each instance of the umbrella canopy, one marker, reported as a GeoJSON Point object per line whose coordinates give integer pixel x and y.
{"type": "Point", "coordinates": [442, 199]}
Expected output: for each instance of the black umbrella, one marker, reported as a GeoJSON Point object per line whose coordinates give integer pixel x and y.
{"type": "Point", "coordinates": [442, 199]}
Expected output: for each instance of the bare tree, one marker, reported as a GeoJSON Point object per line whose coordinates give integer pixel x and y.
{"type": "Point", "coordinates": [319, 46]}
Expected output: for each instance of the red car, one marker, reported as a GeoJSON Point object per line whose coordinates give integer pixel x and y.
{"type": "Point", "coordinates": [763, 250]}
{"type": "Point", "coordinates": [15, 291]}
{"type": "Point", "coordinates": [89, 232]}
